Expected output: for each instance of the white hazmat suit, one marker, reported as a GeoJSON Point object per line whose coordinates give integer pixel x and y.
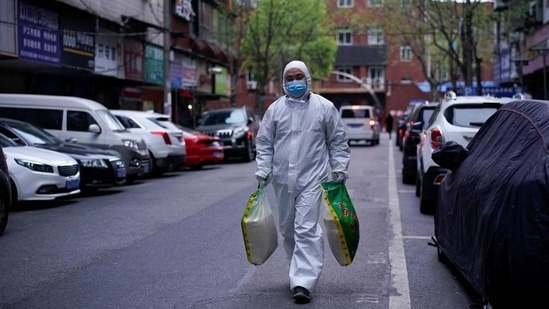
{"type": "Point", "coordinates": [300, 141]}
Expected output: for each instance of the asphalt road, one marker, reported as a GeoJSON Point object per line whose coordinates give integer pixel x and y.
{"type": "Point", "coordinates": [176, 242]}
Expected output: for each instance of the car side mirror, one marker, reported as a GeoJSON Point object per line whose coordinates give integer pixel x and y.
{"type": "Point", "coordinates": [250, 120]}
{"type": "Point", "coordinates": [94, 129]}
{"type": "Point", "coordinates": [417, 127]}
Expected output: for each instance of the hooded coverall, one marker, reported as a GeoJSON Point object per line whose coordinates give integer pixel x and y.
{"type": "Point", "coordinates": [300, 141]}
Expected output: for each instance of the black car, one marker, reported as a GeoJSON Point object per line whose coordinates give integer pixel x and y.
{"type": "Point", "coordinates": [99, 168]}
{"type": "Point", "coordinates": [401, 125]}
{"type": "Point", "coordinates": [237, 128]}
{"type": "Point", "coordinates": [492, 215]}
{"type": "Point", "coordinates": [418, 120]}
{"type": "Point", "coordinates": [5, 192]}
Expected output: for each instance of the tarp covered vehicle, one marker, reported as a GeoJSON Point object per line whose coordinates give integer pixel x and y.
{"type": "Point", "coordinates": [492, 216]}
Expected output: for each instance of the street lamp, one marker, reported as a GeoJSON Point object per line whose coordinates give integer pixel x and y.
{"type": "Point", "coordinates": [543, 50]}
{"type": "Point", "coordinates": [362, 85]}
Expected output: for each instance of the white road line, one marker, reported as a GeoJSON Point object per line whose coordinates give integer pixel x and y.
{"type": "Point", "coordinates": [399, 272]}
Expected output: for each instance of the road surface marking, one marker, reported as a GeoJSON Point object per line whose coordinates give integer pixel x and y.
{"type": "Point", "coordinates": [399, 272]}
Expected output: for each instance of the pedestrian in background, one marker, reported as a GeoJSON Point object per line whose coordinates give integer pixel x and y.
{"type": "Point", "coordinates": [300, 142]}
{"type": "Point", "coordinates": [389, 124]}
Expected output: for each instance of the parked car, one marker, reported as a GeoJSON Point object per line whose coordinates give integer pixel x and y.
{"type": "Point", "coordinates": [39, 174]}
{"type": "Point", "coordinates": [99, 168]}
{"type": "Point", "coordinates": [237, 128]}
{"type": "Point", "coordinates": [5, 192]}
{"type": "Point", "coordinates": [420, 118]}
{"type": "Point", "coordinates": [202, 149]}
{"type": "Point", "coordinates": [74, 119]}
{"type": "Point", "coordinates": [164, 140]}
{"type": "Point", "coordinates": [361, 123]}
{"type": "Point", "coordinates": [492, 218]}
{"type": "Point", "coordinates": [456, 118]}
{"type": "Point", "coordinates": [401, 125]}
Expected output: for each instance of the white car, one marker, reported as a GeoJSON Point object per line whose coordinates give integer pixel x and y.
{"type": "Point", "coordinates": [456, 118]}
{"type": "Point", "coordinates": [40, 174]}
{"type": "Point", "coordinates": [163, 139]}
{"type": "Point", "coordinates": [360, 123]}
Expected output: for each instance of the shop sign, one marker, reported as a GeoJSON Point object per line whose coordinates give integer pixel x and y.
{"type": "Point", "coordinates": [184, 9]}
{"type": "Point", "coordinates": [78, 41]}
{"type": "Point", "coordinates": [222, 82]}
{"type": "Point", "coordinates": [108, 54]}
{"type": "Point", "coordinates": [38, 34]}
{"type": "Point", "coordinates": [189, 73]}
{"type": "Point", "coordinates": [154, 64]}
{"type": "Point", "coordinates": [176, 72]}
{"type": "Point", "coordinates": [7, 29]}
{"type": "Point", "coordinates": [133, 59]}
{"type": "Point", "coordinates": [205, 82]}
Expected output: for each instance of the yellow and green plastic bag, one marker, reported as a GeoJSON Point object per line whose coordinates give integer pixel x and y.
{"type": "Point", "coordinates": [341, 222]}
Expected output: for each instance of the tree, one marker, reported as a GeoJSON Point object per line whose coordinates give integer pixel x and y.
{"type": "Point", "coordinates": [282, 30]}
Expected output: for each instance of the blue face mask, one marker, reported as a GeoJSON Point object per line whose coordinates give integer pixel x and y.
{"type": "Point", "coordinates": [296, 88]}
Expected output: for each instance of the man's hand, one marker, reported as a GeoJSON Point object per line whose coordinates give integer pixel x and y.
{"type": "Point", "coordinates": [264, 181]}
{"type": "Point", "coordinates": [340, 176]}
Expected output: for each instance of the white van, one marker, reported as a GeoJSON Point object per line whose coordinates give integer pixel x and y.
{"type": "Point", "coordinates": [360, 123]}
{"type": "Point", "coordinates": [80, 120]}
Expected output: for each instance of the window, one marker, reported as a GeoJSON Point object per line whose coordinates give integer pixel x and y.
{"type": "Point", "coordinates": [375, 35]}
{"type": "Point", "coordinates": [79, 121]}
{"type": "Point", "coordinates": [344, 36]}
{"type": "Point", "coordinates": [345, 3]}
{"type": "Point", "coordinates": [405, 53]}
{"type": "Point", "coordinates": [376, 74]}
{"type": "Point", "coordinates": [44, 118]}
{"type": "Point", "coordinates": [345, 69]}
{"type": "Point", "coordinates": [376, 3]}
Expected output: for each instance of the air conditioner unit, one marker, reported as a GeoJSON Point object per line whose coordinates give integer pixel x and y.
{"type": "Point", "coordinates": [251, 85]}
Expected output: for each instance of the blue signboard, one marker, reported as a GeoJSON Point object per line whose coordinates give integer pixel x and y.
{"type": "Point", "coordinates": [500, 92]}
{"type": "Point", "coordinates": [176, 73]}
{"type": "Point", "coordinates": [38, 34]}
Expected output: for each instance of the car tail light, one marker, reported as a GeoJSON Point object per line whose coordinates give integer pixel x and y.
{"type": "Point", "coordinates": [438, 179]}
{"type": "Point", "coordinates": [436, 138]}
{"type": "Point", "coordinates": [164, 135]}
{"type": "Point", "coordinates": [372, 123]}
{"type": "Point", "coordinates": [249, 135]}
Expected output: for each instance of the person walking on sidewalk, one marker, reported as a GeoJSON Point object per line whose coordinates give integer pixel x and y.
{"type": "Point", "coordinates": [301, 142]}
{"type": "Point", "coordinates": [389, 124]}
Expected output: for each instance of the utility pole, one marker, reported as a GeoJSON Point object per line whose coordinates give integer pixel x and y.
{"type": "Point", "coordinates": [167, 45]}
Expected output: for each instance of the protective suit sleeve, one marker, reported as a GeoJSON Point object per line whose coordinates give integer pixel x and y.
{"type": "Point", "coordinates": [264, 146]}
{"type": "Point", "coordinates": [338, 147]}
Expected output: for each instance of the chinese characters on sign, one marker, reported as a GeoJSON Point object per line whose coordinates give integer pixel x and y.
{"type": "Point", "coordinates": [154, 64]}
{"type": "Point", "coordinates": [78, 41]}
{"type": "Point", "coordinates": [108, 54]}
{"type": "Point", "coordinates": [38, 34]}
{"type": "Point", "coordinates": [133, 59]}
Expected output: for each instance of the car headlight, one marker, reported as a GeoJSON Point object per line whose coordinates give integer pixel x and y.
{"type": "Point", "coordinates": [131, 144]}
{"type": "Point", "coordinates": [33, 166]}
{"type": "Point", "coordinates": [238, 132]}
{"type": "Point", "coordinates": [95, 163]}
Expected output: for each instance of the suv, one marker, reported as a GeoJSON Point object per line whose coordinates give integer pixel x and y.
{"type": "Point", "coordinates": [419, 116]}
{"type": "Point", "coordinates": [5, 192]}
{"type": "Point", "coordinates": [237, 128]}
{"type": "Point", "coordinates": [456, 118]}
{"type": "Point", "coordinates": [360, 123]}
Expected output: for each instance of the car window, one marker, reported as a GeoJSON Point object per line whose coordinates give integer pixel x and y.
{"type": "Point", "coordinates": [42, 117]}
{"type": "Point", "coordinates": [33, 135]}
{"type": "Point", "coordinates": [128, 122]}
{"type": "Point", "coordinates": [79, 121]}
{"type": "Point", "coordinates": [355, 113]}
{"type": "Point", "coordinates": [162, 122]}
{"type": "Point", "coordinates": [112, 122]}
{"type": "Point", "coordinates": [472, 116]}
{"type": "Point", "coordinates": [6, 142]}
{"type": "Point", "coordinates": [223, 117]}
{"type": "Point", "coordinates": [426, 114]}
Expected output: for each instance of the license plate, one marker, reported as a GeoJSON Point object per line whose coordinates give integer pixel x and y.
{"type": "Point", "coordinates": [73, 184]}
{"type": "Point", "coordinates": [354, 126]}
{"type": "Point", "coordinates": [121, 173]}
{"type": "Point", "coordinates": [145, 168]}
{"type": "Point", "coordinates": [217, 153]}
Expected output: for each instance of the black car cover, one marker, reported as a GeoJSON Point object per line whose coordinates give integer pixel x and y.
{"type": "Point", "coordinates": [492, 216]}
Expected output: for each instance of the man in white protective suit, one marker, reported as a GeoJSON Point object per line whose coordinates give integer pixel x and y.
{"type": "Point", "coordinates": [301, 141]}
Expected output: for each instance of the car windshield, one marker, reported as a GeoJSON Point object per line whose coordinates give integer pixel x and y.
{"type": "Point", "coordinates": [472, 116]}
{"type": "Point", "coordinates": [6, 142]}
{"type": "Point", "coordinates": [355, 113]}
{"type": "Point", "coordinates": [426, 115]}
{"type": "Point", "coordinates": [223, 117]}
{"type": "Point", "coordinates": [112, 122]}
{"type": "Point", "coordinates": [34, 135]}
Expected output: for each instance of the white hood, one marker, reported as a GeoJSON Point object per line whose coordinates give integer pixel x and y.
{"type": "Point", "coordinates": [38, 155]}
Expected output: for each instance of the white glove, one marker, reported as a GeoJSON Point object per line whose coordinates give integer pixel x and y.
{"type": "Point", "coordinates": [340, 176]}
{"type": "Point", "coordinates": [264, 181]}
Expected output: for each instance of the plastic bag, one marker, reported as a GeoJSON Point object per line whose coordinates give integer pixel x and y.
{"type": "Point", "coordinates": [341, 222]}
{"type": "Point", "coordinates": [258, 228]}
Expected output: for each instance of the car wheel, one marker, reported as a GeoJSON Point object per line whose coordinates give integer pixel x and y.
{"type": "Point", "coordinates": [408, 179]}
{"type": "Point", "coordinates": [3, 213]}
{"type": "Point", "coordinates": [249, 155]}
{"type": "Point", "coordinates": [425, 205]}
